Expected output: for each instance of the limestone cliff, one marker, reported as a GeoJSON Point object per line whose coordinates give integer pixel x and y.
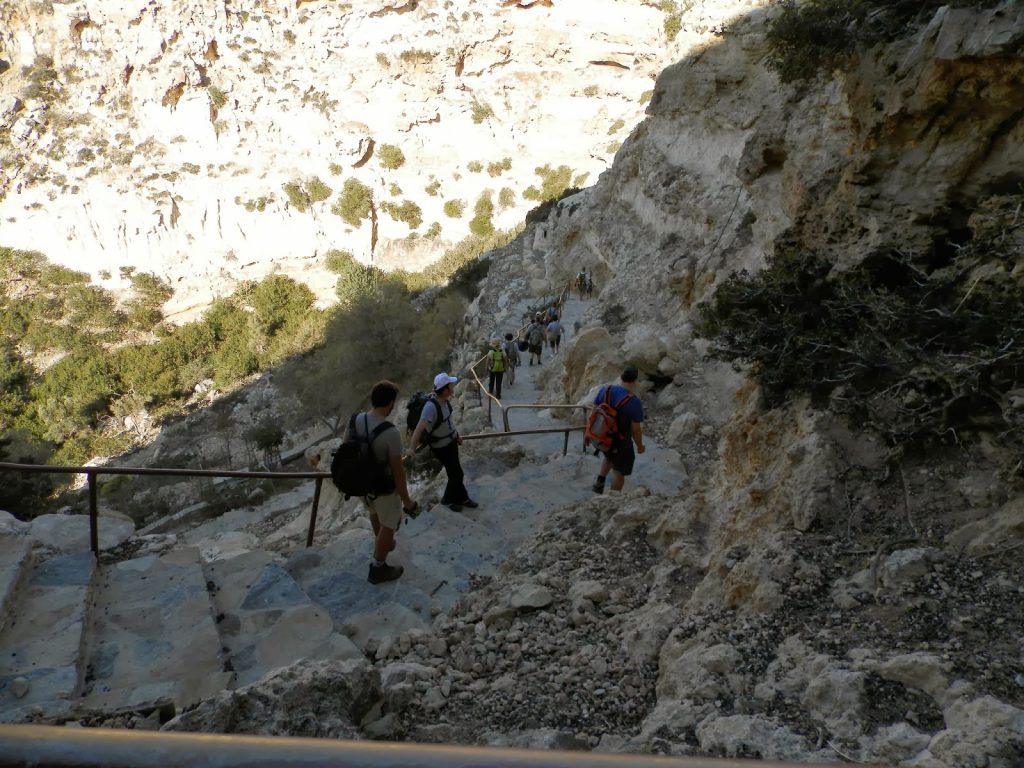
{"type": "Point", "coordinates": [208, 143]}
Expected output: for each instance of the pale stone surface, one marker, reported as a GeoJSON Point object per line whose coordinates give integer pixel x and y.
{"type": "Point", "coordinates": [70, 533]}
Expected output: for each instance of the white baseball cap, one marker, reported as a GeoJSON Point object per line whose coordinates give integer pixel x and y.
{"type": "Point", "coordinates": [442, 380]}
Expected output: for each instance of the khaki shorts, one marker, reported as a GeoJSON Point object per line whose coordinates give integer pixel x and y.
{"type": "Point", "coordinates": [387, 508]}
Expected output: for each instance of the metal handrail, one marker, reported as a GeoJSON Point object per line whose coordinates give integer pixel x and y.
{"type": "Point", "coordinates": [29, 745]}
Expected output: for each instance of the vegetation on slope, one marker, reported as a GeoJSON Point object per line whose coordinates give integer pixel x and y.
{"type": "Point", "coordinates": [919, 349]}
{"type": "Point", "coordinates": [808, 38]}
{"type": "Point", "coordinates": [72, 388]}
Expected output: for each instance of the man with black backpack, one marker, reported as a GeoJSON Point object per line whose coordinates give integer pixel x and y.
{"type": "Point", "coordinates": [614, 426]}
{"type": "Point", "coordinates": [387, 493]}
{"type": "Point", "coordinates": [438, 432]}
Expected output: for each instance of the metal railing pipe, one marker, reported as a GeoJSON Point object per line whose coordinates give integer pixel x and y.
{"type": "Point", "coordinates": [40, 745]}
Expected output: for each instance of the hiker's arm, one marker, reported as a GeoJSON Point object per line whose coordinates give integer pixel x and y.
{"type": "Point", "coordinates": [398, 473]}
{"type": "Point", "coordinates": [638, 437]}
{"type": "Point", "coordinates": [415, 439]}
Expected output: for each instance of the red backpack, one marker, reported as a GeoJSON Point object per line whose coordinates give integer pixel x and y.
{"type": "Point", "coordinates": [603, 423]}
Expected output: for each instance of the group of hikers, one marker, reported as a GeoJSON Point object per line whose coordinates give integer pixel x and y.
{"type": "Point", "coordinates": [503, 355]}
{"type": "Point", "coordinates": [613, 429]}
{"type": "Point", "coordinates": [614, 438]}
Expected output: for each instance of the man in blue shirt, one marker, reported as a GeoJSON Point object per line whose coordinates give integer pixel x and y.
{"type": "Point", "coordinates": [620, 457]}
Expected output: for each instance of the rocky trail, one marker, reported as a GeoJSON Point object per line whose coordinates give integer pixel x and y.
{"type": "Point", "coordinates": [190, 607]}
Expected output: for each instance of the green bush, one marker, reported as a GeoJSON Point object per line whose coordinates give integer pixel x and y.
{"type": "Point", "coordinates": [673, 23]}
{"type": "Point", "coordinates": [480, 112]}
{"type": "Point", "coordinates": [917, 349]}
{"type": "Point", "coordinates": [453, 209]}
{"type": "Point", "coordinates": [413, 56]}
{"type": "Point", "coordinates": [553, 183]}
{"type": "Point", "coordinates": [317, 191]}
{"type": "Point", "coordinates": [217, 97]}
{"type": "Point", "coordinates": [407, 212]}
{"type": "Point", "coordinates": [337, 261]}
{"type": "Point", "coordinates": [506, 197]}
{"type": "Point", "coordinates": [591, 90]}
{"type": "Point", "coordinates": [355, 202]}
{"type": "Point", "coordinates": [616, 127]}
{"type": "Point", "coordinates": [296, 196]}
{"type": "Point", "coordinates": [390, 157]}
{"type": "Point", "coordinates": [433, 188]}
{"type": "Point", "coordinates": [481, 224]}
{"type": "Point", "coordinates": [474, 166]}
{"type": "Point", "coordinates": [816, 36]}
{"type": "Point", "coordinates": [496, 169]}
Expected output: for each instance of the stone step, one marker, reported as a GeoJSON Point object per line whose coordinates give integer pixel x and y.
{"type": "Point", "coordinates": [265, 619]}
{"type": "Point", "coordinates": [153, 638]}
{"type": "Point", "coordinates": [15, 566]}
{"type": "Point", "coordinates": [439, 551]}
{"type": "Point", "coordinates": [42, 642]}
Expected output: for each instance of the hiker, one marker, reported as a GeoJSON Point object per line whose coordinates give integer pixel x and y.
{"type": "Point", "coordinates": [590, 285]}
{"type": "Point", "coordinates": [554, 332]}
{"type": "Point", "coordinates": [497, 364]}
{"type": "Point", "coordinates": [511, 349]}
{"type": "Point", "coordinates": [436, 418]}
{"type": "Point", "coordinates": [581, 282]}
{"type": "Point", "coordinates": [535, 338]}
{"type": "Point", "coordinates": [386, 509]}
{"type": "Point", "coordinates": [552, 313]}
{"type": "Point", "coordinates": [620, 457]}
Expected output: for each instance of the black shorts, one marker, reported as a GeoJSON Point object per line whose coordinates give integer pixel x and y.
{"type": "Point", "coordinates": [535, 349]}
{"type": "Point", "coordinates": [622, 457]}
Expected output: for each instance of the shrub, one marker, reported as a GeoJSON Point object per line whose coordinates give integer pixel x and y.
{"type": "Point", "coordinates": [453, 209]}
{"type": "Point", "coordinates": [818, 35]}
{"type": "Point", "coordinates": [335, 169]}
{"type": "Point", "coordinates": [433, 188]}
{"type": "Point", "coordinates": [433, 231]}
{"type": "Point", "coordinates": [217, 97]}
{"type": "Point", "coordinates": [414, 56]}
{"type": "Point", "coordinates": [591, 90]}
{"type": "Point", "coordinates": [317, 191]}
{"type": "Point", "coordinates": [496, 169]}
{"type": "Point", "coordinates": [553, 183]}
{"type": "Point", "coordinates": [506, 197]}
{"type": "Point", "coordinates": [296, 196]}
{"type": "Point", "coordinates": [474, 166]}
{"type": "Point", "coordinates": [337, 261]}
{"type": "Point", "coordinates": [390, 156]}
{"type": "Point", "coordinates": [916, 349]}
{"type": "Point", "coordinates": [673, 23]}
{"type": "Point", "coordinates": [382, 60]}
{"type": "Point", "coordinates": [407, 212]}
{"type": "Point", "coordinates": [355, 202]}
{"type": "Point", "coordinates": [480, 112]}
{"type": "Point", "coordinates": [481, 224]}
{"type": "Point", "coordinates": [616, 127]}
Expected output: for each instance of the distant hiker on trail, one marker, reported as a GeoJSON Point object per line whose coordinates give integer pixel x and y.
{"type": "Point", "coordinates": [629, 413]}
{"type": "Point", "coordinates": [436, 419]}
{"type": "Point", "coordinates": [385, 509]}
{"type": "Point", "coordinates": [554, 331]}
{"type": "Point", "coordinates": [552, 313]}
{"type": "Point", "coordinates": [590, 285]}
{"type": "Point", "coordinates": [535, 338]}
{"type": "Point", "coordinates": [581, 282]}
{"type": "Point", "coordinates": [511, 350]}
{"type": "Point", "coordinates": [497, 364]}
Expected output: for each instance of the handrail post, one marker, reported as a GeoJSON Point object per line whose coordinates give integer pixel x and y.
{"type": "Point", "coordinates": [94, 533]}
{"type": "Point", "coordinates": [312, 514]}
{"type": "Point", "coordinates": [565, 446]}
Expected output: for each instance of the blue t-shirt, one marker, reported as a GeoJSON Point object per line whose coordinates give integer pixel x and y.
{"type": "Point", "coordinates": [630, 412]}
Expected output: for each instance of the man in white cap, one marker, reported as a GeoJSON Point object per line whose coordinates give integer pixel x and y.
{"type": "Point", "coordinates": [444, 441]}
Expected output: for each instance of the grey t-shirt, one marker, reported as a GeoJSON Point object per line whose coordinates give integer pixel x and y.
{"type": "Point", "coordinates": [443, 433]}
{"type": "Point", "coordinates": [387, 444]}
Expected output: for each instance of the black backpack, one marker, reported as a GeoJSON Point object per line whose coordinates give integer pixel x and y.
{"type": "Point", "coordinates": [355, 470]}
{"type": "Point", "coordinates": [414, 412]}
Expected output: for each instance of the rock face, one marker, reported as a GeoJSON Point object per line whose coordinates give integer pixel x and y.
{"type": "Point", "coordinates": [161, 136]}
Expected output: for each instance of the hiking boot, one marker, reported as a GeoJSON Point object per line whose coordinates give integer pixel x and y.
{"type": "Point", "coordinates": [414, 511]}
{"type": "Point", "coordinates": [597, 488]}
{"type": "Point", "coordinates": [470, 503]}
{"type": "Point", "coordinates": [381, 573]}
{"type": "Point", "coordinates": [453, 506]}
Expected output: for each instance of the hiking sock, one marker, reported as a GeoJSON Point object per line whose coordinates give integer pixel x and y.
{"type": "Point", "coordinates": [379, 563]}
